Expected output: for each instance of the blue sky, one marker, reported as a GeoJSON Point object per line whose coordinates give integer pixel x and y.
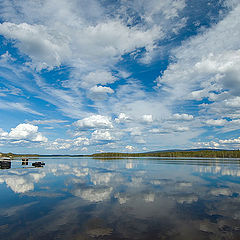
{"type": "Point", "coordinates": [81, 76]}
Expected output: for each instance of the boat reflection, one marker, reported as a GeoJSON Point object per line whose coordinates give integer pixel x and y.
{"type": "Point", "coordinates": [24, 162]}
{"type": "Point", "coordinates": [5, 164]}
{"type": "Point", "coordinates": [38, 164]}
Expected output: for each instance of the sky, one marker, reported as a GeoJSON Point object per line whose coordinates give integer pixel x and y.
{"type": "Point", "coordinates": [87, 76]}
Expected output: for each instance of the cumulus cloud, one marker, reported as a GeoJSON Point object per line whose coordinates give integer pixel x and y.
{"type": "Point", "coordinates": [81, 141]}
{"type": "Point", "coordinates": [102, 135]}
{"type": "Point", "coordinates": [97, 77]}
{"type": "Point", "coordinates": [94, 121]}
{"type": "Point", "coordinates": [100, 89]}
{"type": "Point", "coordinates": [3, 134]}
{"type": "Point", "coordinates": [231, 143]}
{"type": "Point", "coordinates": [183, 116]}
{"type": "Point", "coordinates": [211, 72]}
{"type": "Point", "coordinates": [130, 148]}
{"type": "Point", "coordinates": [99, 93]}
{"type": "Point", "coordinates": [64, 144]}
{"type": "Point", "coordinates": [122, 117]}
{"type": "Point", "coordinates": [236, 140]}
{"type": "Point", "coordinates": [26, 132]}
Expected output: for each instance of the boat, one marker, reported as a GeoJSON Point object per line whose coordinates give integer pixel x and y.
{"type": "Point", "coordinates": [38, 164]}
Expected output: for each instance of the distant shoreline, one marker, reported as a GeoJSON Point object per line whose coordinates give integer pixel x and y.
{"type": "Point", "coordinates": [206, 153]}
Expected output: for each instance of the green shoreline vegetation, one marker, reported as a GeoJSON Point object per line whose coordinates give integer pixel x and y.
{"type": "Point", "coordinates": [175, 154]}
{"type": "Point", "coordinates": [169, 154]}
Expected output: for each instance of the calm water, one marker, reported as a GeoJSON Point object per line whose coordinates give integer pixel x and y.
{"type": "Point", "coordinates": [84, 198]}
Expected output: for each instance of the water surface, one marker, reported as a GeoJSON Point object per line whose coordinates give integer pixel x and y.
{"type": "Point", "coordinates": [85, 198]}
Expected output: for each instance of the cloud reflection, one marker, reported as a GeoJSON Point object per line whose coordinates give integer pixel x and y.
{"type": "Point", "coordinates": [92, 200]}
{"type": "Point", "coordinates": [93, 194]}
{"type": "Point", "coordinates": [21, 182]}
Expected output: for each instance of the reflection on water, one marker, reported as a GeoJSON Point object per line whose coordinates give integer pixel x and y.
{"type": "Point", "coordinates": [5, 164]}
{"type": "Point", "coordinates": [120, 199]}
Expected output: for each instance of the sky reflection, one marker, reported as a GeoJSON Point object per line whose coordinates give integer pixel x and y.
{"type": "Point", "coordinates": [121, 199]}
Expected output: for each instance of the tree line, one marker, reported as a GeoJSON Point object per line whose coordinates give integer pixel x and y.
{"type": "Point", "coordinates": [201, 153]}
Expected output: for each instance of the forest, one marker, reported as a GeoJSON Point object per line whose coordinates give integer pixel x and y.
{"type": "Point", "coordinates": [175, 154]}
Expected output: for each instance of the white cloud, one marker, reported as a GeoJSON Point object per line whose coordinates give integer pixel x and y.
{"type": "Point", "coordinates": [81, 141]}
{"type": "Point", "coordinates": [51, 46]}
{"type": "Point", "coordinates": [233, 102]}
{"type": "Point", "coordinates": [27, 131]}
{"type": "Point", "coordinates": [23, 132]}
{"type": "Point", "coordinates": [122, 117]}
{"type": "Point", "coordinates": [100, 89]}
{"type": "Point", "coordinates": [226, 141]}
{"type": "Point", "coordinates": [103, 135]}
{"type": "Point", "coordinates": [147, 118]}
{"type": "Point", "coordinates": [139, 140]}
{"type": "Point", "coordinates": [59, 144]}
{"type": "Point", "coordinates": [45, 49]}
{"type": "Point", "coordinates": [130, 148]}
{"type": "Point", "coordinates": [169, 129]}
{"type": "Point", "coordinates": [183, 116]}
{"type": "Point", "coordinates": [180, 129]}
{"type": "Point", "coordinates": [88, 41]}
{"type": "Point", "coordinates": [47, 122]}
{"type": "Point", "coordinates": [135, 131]}
{"type": "Point", "coordinates": [156, 130]}
{"type": "Point", "coordinates": [3, 134]}
{"type": "Point", "coordinates": [216, 122]}
{"type": "Point", "coordinates": [210, 72]}
{"type": "Point", "coordinates": [63, 144]}
{"type": "Point", "coordinates": [97, 77]}
{"type": "Point", "coordinates": [94, 121]}
{"type": "Point", "coordinates": [211, 144]}
{"type": "Point", "coordinates": [231, 143]}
